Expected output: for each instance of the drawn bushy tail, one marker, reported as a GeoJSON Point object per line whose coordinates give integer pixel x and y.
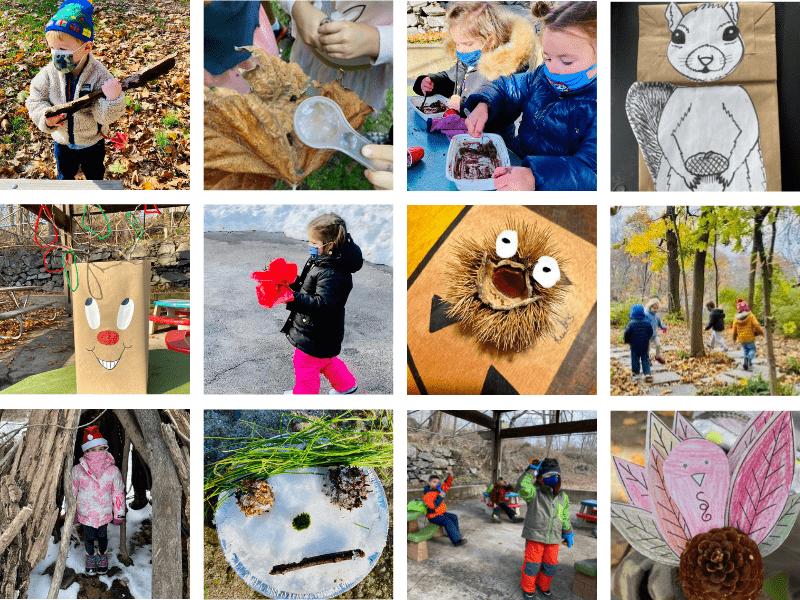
{"type": "Point", "coordinates": [644, 104]}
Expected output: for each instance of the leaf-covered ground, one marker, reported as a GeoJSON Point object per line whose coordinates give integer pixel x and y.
{"type": "Point", "coordinates": [129, 36]}
{"type": "Point", "coordinates": [692, 370]}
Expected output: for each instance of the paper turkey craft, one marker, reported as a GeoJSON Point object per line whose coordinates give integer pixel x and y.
{"type": "Point", "coordinates": [689, 486]}
{"type": "Point", "coordinates": [273, 284]}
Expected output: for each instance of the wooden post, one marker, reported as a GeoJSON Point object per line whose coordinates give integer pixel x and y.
{"type": "Point", "coordinates": [167, 578]}
{"type": "Point", "coordinates": [13, 529]}
{"type": "Point", "coordinates": [496, 441]}
{"type": "Point", "coordinates": [123, 530]}
{"type": "Point", "coordinates": [69, 517]}
{"type": "Point", "coordinates": [66, 241]}
{"type": "Point", "coordinates": [132, 432]}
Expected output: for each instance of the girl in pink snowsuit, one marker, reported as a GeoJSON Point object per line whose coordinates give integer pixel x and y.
{"type": "Point", "coordinates": [100, 492]}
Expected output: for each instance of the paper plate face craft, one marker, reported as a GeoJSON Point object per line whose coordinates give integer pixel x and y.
{"type": "Point", "coordinates": [714, 515]}
{"type": "Point", "coordinates": [507, 287]}
{"type": "Point", "coordinates": [699, 138]}
{"type": "Point", "coordinates": [111, 312]}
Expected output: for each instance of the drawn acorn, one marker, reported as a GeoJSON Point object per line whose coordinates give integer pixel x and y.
{"type": "Point", "coordinates": [507, 287]}
{"type": "Point", "coordinates": [713, 515]}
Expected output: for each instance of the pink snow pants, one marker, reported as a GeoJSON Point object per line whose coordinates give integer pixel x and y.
{"type": "Point", "coordinates": [307, 370]}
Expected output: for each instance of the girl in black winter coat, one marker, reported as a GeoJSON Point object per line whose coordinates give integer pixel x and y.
{"type": "Point", "coordinates": [315, 326]}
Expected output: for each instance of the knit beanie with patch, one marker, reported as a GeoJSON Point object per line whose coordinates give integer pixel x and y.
{"type": "Point", "coordinates": [74, 17]}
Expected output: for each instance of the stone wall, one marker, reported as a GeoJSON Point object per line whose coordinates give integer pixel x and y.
{"type": "Point", "coordinates": [25, 266]}
{"type": "Point", "coordinates": [422, 462]}
{"type": "Point", "coordinates": [424, 15]}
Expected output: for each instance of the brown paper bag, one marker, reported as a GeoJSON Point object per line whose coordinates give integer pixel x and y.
{"type": "Point", "coordinates": [757, 73]}
{"type": "Point", "coordinates": [110, 312]}
{"type": "Point", "coordinates": [443, 358]}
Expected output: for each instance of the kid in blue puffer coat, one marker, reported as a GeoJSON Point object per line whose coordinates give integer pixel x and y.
{"type": "Point", "coordinates": [637, 335]}
{"type": "Point", "coordinates": [557, 137]}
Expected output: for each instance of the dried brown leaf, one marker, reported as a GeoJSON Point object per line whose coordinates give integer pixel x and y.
{"type": "Point", "coordinates": [249, 139]}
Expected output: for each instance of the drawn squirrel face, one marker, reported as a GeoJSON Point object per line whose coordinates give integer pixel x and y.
{"type": "Point", "coordinates": [706, 43]}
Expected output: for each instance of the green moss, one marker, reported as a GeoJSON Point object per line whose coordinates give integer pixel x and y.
{"type": "Point", "coordinates": [301, 521]}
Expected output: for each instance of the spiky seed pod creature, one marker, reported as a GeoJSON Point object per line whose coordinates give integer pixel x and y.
{"type": "Point", "coordinates": [259, 498]}
{"type": "Point", "coordinates": [507, 288]}
{"type": "Point", "coordinates": [347, 487]}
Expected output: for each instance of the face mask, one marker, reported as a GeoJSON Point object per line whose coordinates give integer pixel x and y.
{"type": "Point", "coordinates": [95, 460]}
{"type": "Point", "coordinates": [470, 58]}
{"type": "Point", "coordinates": [64, 60]}
{"type": "Point", "coordinates": [570, 81]}
{"type": "Point", "coordinates": [313, 251]}
{"type": "Point", "coordinates": [551, 481]}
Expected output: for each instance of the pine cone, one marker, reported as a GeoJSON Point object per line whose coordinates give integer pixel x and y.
{"type": "Point", "coordinates": [721, 564]}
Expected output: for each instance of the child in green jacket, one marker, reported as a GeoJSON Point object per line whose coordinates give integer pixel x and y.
{"type": "Point", "coordinates": [546, 523]}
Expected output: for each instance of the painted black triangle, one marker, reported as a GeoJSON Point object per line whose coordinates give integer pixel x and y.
{"type": "Point", "coordinates": [496, 384]}
{"type": "Point", "coordinates": [439, 318]}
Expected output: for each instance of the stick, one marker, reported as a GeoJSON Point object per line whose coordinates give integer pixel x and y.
{"type": "Point", "coordinates": [154, 71]}
{"type": "Point", "coordinates": [123, 530]}
{"type": "Point", "coordinates": [322, 559]}
{"type": "Point", "coordinates": [128, 422]}
{"type": "Point", "coordinates": [14, 528]}
{"type": "Point", "coordinates": [168, 433]}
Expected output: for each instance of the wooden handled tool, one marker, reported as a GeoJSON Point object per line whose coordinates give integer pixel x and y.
{"type": "Point", "coordinates": [152, 72]}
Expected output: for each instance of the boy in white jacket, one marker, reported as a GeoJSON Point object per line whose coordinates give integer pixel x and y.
{"type": "Point", "coordinates": [100, 493]}
{"type": "Point", "coordinates": [73, 73]}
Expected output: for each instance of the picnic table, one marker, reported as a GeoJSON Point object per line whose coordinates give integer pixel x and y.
{"type": "Point", "coordinates": [429, 173]}
{"type": "Point", "coordinates": [25, 308]}
{"type": "Point", "coordinates": [587, 512]}
{"type": "Point", "coordinates": [172, 312]}
{"type": "Point", "coordinates": [168, 373]}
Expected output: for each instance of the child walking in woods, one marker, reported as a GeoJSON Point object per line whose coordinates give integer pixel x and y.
{"type": "Point", "coordinates": [546, 524]}
{"type": "Point", "coordinates": [745, 329]}
{"type": "Point", "coordinates": [716, 323]}
{"type": "Point", "coordinates": [497, 496]}
{"type": "Point", "coordinates": [100, 492]}
{"type": "Point", "coordinates": [652, 315]}
{"type": "Point", "coordinates": [433, 497]}
{"type": "Point", "coordinates": [557, 136]}
{"type": "Point", "coordinates": [73, 73]}
{"type": "Point", "coordinates": [486, 41]}
{"type": "Point", "coordinates": [637, 335]}
{"type": "Point", "coordinates": [315, 326]}
{"type": "Point", "coordinates": [345, 40]}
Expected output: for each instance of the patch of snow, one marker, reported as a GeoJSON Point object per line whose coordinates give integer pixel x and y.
{"type": "Point", "coordinates": [257, 544]}
{"type": "Point", "coordinates": [370, 225]}
{"type": "Point", "coordinates": [9, 426]}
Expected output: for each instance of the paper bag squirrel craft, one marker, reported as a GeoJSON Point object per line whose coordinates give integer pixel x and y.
{"type": "Point", "coordinates": [690, 485]}
{"type": "Point", "coordinates": [273, 284]}
{"type": "Point", "coordinates": [111, 313]}
{"type": "Point", "coordinates": [703, 138]}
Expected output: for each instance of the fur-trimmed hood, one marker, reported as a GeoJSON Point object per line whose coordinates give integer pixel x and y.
{"type": "Point", "coordinates": [519, 51]}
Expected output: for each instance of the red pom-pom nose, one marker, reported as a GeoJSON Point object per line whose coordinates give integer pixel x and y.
{"type": "Point", "coordinates": [108, 338]}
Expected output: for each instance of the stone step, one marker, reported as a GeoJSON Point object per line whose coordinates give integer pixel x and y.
{"type": "Point", "coordinates": [665, 377]}
{"type": "Point", "coordinates": [684, 389]}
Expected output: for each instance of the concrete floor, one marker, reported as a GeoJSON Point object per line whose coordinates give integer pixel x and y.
{"type": "Point", "coordinates": [489, 566]}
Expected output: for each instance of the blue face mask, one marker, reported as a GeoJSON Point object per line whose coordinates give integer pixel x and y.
{"type": "Point", "coordinates": [313, 251]}
{"type": "Point", "coordinates": [551, 481]}
{"type": "Point", "coordinates": [569, 82]}
{"type": "Point", "coordinates": [469, 58]}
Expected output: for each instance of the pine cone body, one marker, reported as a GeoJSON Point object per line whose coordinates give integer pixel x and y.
{"type": "Point", "coordinates": [722, 564]}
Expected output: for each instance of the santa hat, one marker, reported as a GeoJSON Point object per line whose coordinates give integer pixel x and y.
{"type": "Point", "coordinates": [74, 17]}
{"type": "Point", "coordinates": [742, 306]}
{"type": "Point", "coordinates": [92, 438]}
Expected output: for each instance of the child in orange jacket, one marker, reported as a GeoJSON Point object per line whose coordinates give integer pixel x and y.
{"type": "Point", "coordinates": [745, 328]}
{"type": "Point", "coordinates": [433, 497]}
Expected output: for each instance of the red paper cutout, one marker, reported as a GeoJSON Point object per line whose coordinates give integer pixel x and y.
{"type": "Point", "coordinates": [36, 228]}
{"type": "Point", "coordinates": [273, 284]}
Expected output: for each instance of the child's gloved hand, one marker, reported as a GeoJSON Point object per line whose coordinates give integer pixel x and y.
{"type": "Point", "coordinates": [454, 102]}
{"type": "Point", "coordinates": [477, 119]}
{"type": "Point", "coordinates": [118, 520]}
{"type": "Point", "coordinates": [57, 121]}
{"type": "Point", "coordinates": [427, 85]}
{"type": "Point", "coordinates": [307, 18]}
{"type": "Point", "coordinates": [382, 155]}
{"type": "Point", "coordinates": [344, 40]}
{"type": "Point", "coordinates": [112, 89]}
{"type": "Point", "coordinates": [510, 179]}
{"type": "Point", "coordinates": [664, 330]}
{"type": "Point", "coordinates": [568, 537]}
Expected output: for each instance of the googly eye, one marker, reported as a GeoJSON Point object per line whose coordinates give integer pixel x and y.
{"type": "Point", "coordinates": [546, 272]}
{"type": "Point", "coordinates": [92, 313]}
{"type": "Point", "coordinates": [506, 244]}
{"type": "Point", "coordinates": [125, 314]}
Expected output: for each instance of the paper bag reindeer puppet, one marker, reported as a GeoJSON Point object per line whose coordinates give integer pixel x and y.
{"type": "Point", "coordinates": [715, 514]}
{"type": "Point", "coordinates": [703, 137]}
{"type": "Point", "coordinates": [111, 311]}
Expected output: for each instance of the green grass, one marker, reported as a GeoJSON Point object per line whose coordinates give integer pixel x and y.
{"type": "Point", "coordinates": [162, 139]}
{"type": "Point", "coordinates": [793, 365]}
{"type": "Point", "coordinates": [171, 120]}
{"type": "Point", "coordinates": [383, 122]}
{"type": "Point", "coordinates": [756, 386]}
{"type": "Point", "coordinates": [116, 168]}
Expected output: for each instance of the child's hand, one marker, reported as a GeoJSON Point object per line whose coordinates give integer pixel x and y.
{"type": "Point", "coordinates": [118, 520]}
{"type": "Point", "coordinates": [454, 102]}
{"type": "Point", "coordinates": [426, 85]}
{"type": "Point", "coordinates": [382, 156]}
{"type": "Point", "coordinates": [344, 40]}
{"type": "Point", "coordinates": [57, 121]}
{"type": "Point", "coordinates": [112, 89]}
{"type": "Point", "coordinates": [510, 179]}
{"type": "Point", "coordinates": [477, 119]}
{"type": "Point", "coordinates": [307, 18]}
